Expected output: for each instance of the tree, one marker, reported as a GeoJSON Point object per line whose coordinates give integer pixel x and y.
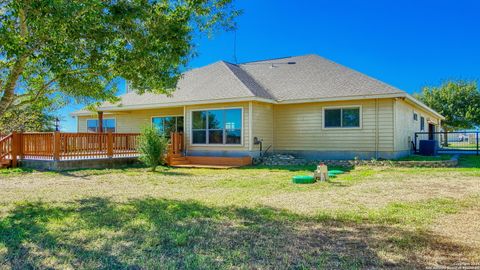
{"type": "Point", "coordinates": [152, 146]}
{"type": "Point", "coordinates": [457, 101]}
{"type": "Point", "coordinates": [32, 118]}
{"type": "Point", "coordinates": [81, 47]}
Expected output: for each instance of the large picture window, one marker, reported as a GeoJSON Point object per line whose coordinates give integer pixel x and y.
{"type": "Point", "coordinates": [217, 126]}
{"type": "Point", "coordinates": [348, 117]}
{"type": "Point", "coordinates": [108, 125]}
{"type": "Point", "coordinates": [168, 124]}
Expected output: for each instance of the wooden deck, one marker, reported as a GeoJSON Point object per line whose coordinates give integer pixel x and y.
{"type": "Point", "coordinates": [59, 146]}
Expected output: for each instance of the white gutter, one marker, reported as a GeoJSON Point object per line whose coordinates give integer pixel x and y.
{"type": "Point", "coordinates": [344, 98]}
{"type": "Point", "coordinates": [423, 106]}
{"type": "Point", "coordinates": [117, 108]}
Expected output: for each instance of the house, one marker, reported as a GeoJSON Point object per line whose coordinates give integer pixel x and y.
{"type": "Point", "coordinates": [304, 105]}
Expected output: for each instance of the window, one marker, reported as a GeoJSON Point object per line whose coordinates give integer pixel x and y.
{"type": "Point", "coordinates": [168, 124]}
{"type": "Point", "coordinates": [415, 116]}
{"type": "Point", "coordinates": [108, 125]}
{"type": "Point", "coordinates": [217, 127]}
{"type": "Point", "coordinates": [348, 117]}
{"type": "Point", "coordinates": [422, 123]}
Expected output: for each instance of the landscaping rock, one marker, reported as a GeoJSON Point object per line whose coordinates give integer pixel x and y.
{"type": "Point", "coordinates": [290, 160]}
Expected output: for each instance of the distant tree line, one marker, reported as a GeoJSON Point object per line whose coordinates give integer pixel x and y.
{"type": "Point", "coordinates": [457, 101]}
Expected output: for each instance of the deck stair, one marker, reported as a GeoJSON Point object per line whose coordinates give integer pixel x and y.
{"type": "Point", "coordinates": [5, 163]}
{"type": "Point", "coordinates": [178, 159]}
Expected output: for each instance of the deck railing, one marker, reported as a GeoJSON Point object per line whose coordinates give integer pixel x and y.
{"type": "Point", "coordinates": [69, 146]}
{"type": "Point", "coordinates": [175, 148]}
{"type": "Point", "coordinates": [66, 146]}
{"type": "Point", "coordinates": [176, 143]}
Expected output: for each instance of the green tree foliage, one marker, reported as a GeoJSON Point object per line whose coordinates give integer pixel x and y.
{"type": "Point", "coordinates": [152, 147]}
{"type": "Point", "coordinates": [81, 47]}
{"type": "Point", "coordinates": [37, 117]}
{"type": "Point", "coordinates": [458, 101]}
{"type": "Point", "coordinates": [32, 118]}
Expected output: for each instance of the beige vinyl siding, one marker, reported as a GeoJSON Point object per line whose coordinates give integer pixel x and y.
{"type": "Point", "coordinates": [245, 128]}
{"type": "Point", "coordinates": [300, 127]}
{"type": "Point", "coordinates": [406, 126]}
{"type": "Point", "coordinates": [262, 116]}
{"type": "Point", "coordinates": [293, 127]}
{"type": "Point", "coordinates": [131, 121]}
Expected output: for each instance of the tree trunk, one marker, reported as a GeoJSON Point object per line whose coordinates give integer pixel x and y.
{"type": "Point", "coordinates": [8, 96]}
{"type": "Point", "coordinates": [9, 90]}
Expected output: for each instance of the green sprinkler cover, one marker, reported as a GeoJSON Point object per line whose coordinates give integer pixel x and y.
{"type": "Point", "coordinates": [334, 172]}
{"type": "Point", "coordinates": [303, 179]}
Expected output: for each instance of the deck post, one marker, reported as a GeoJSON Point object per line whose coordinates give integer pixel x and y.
{"type": "Point", "coordinates": [14, 148]}
{"type": "Point", "coordinates": [56, 145]}
{"type": "Point", "coordinates": [100, 122]}
{"type": "Point", "coordinates": [109, 144]}
{"type": "Point", "coordinates": [20, 145]}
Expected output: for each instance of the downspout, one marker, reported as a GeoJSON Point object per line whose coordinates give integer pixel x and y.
{"type": "Point", "coordinates": [250, 126]}
{"type": "Point", "coordinates": [185, 130]}
{"type": "Point", "coordinates": [377, 132]}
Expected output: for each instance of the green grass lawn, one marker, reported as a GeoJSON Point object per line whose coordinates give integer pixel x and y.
{"type": "Point", "coordinates": [248, 218]}
{"type": "Point", "coordinates": [461, 145]}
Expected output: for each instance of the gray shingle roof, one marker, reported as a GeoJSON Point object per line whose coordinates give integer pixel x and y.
{"type": "Point", "coordinates": [291, 78]}
{"type": "Point", "coordinates": [219, 80]}
{"type": "Point", "coordinates": [312, 77]}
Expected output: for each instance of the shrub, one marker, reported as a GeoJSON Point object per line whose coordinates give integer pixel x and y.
{"type": "Point", "coordinates": [152, 147]}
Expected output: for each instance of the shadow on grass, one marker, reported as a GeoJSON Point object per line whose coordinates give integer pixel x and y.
{"type": "Point", "coordinates": [148, 233]}
{"type": "Point", "coordinates": [132, 170]}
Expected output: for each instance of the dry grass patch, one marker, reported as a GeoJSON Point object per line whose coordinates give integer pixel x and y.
{"type": "Point", "coordinates": [461, 228]}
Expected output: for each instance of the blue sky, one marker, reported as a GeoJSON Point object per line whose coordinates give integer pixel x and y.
{"type": "Point", "coordinates": [408, 44]}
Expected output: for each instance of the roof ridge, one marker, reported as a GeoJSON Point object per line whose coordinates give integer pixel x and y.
{"type": "Point", "coordinates": [269, 59]}
{"type": "Point", "coordinates": [227, 64]}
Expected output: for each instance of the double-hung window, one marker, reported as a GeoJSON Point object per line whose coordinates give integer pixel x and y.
{"type": "Point", "coordinates": [108, 125]}
{"type": "Point", "coordinates": [168, 124]}
{"type": "Point", "coordinates": [346, 117]}
{"type": "Point", "coordinates": [217, 127]}
{"type": "Point", "coordinates": [422, 123]}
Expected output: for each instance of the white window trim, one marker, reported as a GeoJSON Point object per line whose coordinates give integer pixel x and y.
{"type": "Point", "coordinates": [420, 123]}
{"type": "Point", "coordinates": [343, 107]}
{"type": "Point", "coordinates": [415, 112]}
{"type": "Point", "coordinates": [108, 118]}
{"type": "Point", "coordinates": [216, 145]}
{"type": "Point", "coordinates": [162, 116]}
